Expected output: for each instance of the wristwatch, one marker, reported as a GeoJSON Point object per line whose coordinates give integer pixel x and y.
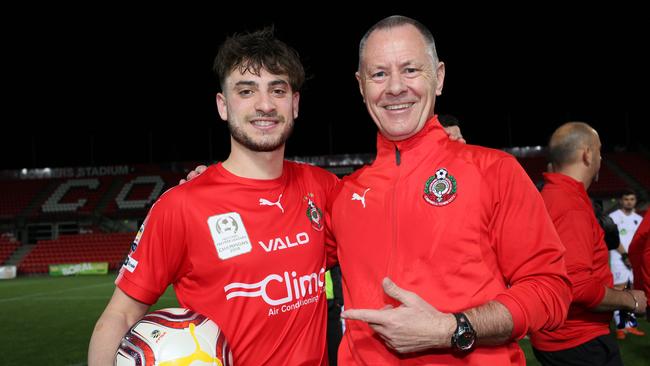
{"type": "Point", "coordinates": [464, 337]}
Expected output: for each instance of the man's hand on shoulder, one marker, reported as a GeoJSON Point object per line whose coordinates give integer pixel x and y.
{"type": "Point", "coordinates": [194, 173]}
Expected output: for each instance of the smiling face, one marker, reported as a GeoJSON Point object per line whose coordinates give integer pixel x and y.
{"type": "Point", "coordinates": [260, 109]}
{"type": "Point", "coordinates": [399, 80]}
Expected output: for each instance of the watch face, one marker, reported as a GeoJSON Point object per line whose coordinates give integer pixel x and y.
{"type": "Point", "coordinates": [466, 341]}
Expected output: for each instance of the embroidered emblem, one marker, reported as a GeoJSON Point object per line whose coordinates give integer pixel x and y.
{"type": "Point", "coordinates": [314, 214]}
{"type": "Point", "coordinates": [357, 197]}
{"type": "Point", "coordinates": [265, 202]}
{"type": "Point", "coordinates": [440, 189]}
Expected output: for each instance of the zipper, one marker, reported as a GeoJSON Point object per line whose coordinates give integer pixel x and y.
{"type": "Point", "coordinates": [393, 214]}
{"type": "Point", "coordinates": [398, 157]}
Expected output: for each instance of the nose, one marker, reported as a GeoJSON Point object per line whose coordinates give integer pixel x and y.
{"type": "Point", "coordinates": [396, 85]}
{"type": "Point", "coordinates": [264, 103]}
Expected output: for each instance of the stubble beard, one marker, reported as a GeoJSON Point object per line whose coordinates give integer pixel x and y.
{"type": "Point", "coordinates": [239, 135]}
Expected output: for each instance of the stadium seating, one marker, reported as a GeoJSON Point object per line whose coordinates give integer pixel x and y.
{"type": "Point", "coordinates": [140, 192]}
{"type": "Point", "coordinates": [70, 249]}
{"type": "Point", "coordinates": [608, 184]}
{"type": "Point", "coordinates": [534, 166]}
{"type": "Point", "coordinates": [634, 164]}
{"type": "Point", "coordinates": [76, 195]}
{"type": "Point", "coordinates": [7, 247]}
{"type": "Point", "coordinates": [15, 195]}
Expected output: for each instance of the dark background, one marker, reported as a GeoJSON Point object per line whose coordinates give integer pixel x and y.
{"type": "Point", "coordinates": [121, 85]}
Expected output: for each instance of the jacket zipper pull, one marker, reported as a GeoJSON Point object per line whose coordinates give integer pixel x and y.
{"type": "Point", "coordinates": [398, 158]}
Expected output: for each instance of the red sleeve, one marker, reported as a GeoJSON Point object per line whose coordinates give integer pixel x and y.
{"type": "Point", "coordinates": [639, 254]}
{"type": "Point", "coordinates": [330, 240]}
{"type": "Point", "coordinates": [574, 228]}
{"type": "Point", "coordinates": [156, 253]}
{"type": "Point", "coordinates": [529, 252]}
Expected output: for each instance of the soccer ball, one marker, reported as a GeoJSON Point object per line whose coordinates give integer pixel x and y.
{"type": "Point", "coordinates": [174, 336]}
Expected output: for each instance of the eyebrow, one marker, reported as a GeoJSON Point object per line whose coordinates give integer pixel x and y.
{"type": "Point", "coordinates": [255, 84]}
{"type": "Point", "coordinates": [383, 66]}
{"type": "Point", "coordinates": [278, 82]}
{"type": "Point", "coordinates": [245, 83]}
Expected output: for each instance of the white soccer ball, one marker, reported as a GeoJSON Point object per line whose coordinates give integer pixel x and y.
{"type": "Point", "coordinates": [174, 336]}
{"type": "Point", "coordinates": [441, 173]}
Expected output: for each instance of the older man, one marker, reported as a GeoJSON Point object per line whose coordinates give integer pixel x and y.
{"type": "Point", "coordinates": [457, 234]}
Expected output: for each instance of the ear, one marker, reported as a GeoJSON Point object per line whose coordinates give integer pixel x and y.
{"type": "Point", "coordinates": [360, 81]}
{"type": "Point", "coordinates": [587, 155]}
{"type": "Point", "coordinates": [222, 106]}
{"type": "Point", "coordinates": [296, 104]}
{"type": "Point", "coordinates": [440, 76]}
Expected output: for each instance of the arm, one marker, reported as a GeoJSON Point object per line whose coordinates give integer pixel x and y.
{"type": "Point", "coordinates": [492, 322]}
{"type": "Point", "coordinates": [630, 300]}
{"type": "Point", "coordinates": [120, 314]}
{"type": "Point", "coordinates": [416, 326]}
{"type": "Point", "coordinates": [529, 253]}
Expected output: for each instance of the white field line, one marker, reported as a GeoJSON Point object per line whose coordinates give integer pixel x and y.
{"type": "Point", "coordinates": [37, 294]}
{"type": "Point", "coordinates": [77, 298]}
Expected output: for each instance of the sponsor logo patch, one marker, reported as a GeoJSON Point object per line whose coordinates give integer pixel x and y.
{"type": "Point", "coordinates": [229, 235]}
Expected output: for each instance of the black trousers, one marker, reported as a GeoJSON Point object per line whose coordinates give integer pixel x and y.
{"type": "Point", "coordinates": [601, 351]}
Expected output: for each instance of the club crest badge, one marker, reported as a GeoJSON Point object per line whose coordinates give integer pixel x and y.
{"type": "Point", "coordinates": [314, 214]}
{"type": "Point", "coordinates": [440, 189]}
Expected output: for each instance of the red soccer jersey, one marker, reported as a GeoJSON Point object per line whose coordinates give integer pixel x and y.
{"type": "Point", "coordinates": [249, 254]}
{"type": "Point", "coordinates": [587, 261]}
{"type": "Point", "coordinates": [459, 225]}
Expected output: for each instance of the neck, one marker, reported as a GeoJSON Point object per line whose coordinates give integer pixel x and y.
{"type": "Point", "coordinates": [245, 163]}
{"type": "Point", "coordinates": [578, 174]}
{"type": "Point", "coordinates": [627, 211]}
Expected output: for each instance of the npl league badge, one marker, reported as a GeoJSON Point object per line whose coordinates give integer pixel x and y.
{"type": "Point", "coordinates": [440, 189]}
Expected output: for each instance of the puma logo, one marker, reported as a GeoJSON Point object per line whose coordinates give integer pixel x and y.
{"type": "Point", "coordinates": [265, 202]}
{"type": "Point", "coordinates": [356, 197]}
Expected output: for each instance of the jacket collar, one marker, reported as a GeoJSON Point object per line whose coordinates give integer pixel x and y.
{"type": "Point", "coordinates": [568, 183]}
{"type": "Point", "coordinates": [431, 136]}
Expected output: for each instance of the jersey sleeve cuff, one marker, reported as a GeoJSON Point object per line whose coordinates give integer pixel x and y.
{"type": "Point", "coordinates": [132, 289]}
{"type": "Point", "coordinates": [519, 327]}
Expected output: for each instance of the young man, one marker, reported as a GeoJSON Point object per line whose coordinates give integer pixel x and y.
{"type": "Point", "coordinates": [460, 229]}
{"type": "Point", "coordinates": [584, 339]}
{"type": "Point", "coordinates": [627, 221]}
{"type": "Point", "coordinates": [243, 243]}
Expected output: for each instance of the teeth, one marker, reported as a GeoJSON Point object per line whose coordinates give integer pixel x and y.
{"type": "Point", "coordinates": [398, 106]}
{"type": "Point", "coordinates": [263, 123]}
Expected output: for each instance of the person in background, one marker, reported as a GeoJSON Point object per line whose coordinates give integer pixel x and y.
{"type": "Point", "coordinates": [627, 221]}
{"type": "Point", "coordinates": [584, 338]}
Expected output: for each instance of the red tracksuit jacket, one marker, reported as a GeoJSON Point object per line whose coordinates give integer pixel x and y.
{"type": "Point", "coordinates": [587, 260]}
{"type": "Point", "coordinates": [459, 225]}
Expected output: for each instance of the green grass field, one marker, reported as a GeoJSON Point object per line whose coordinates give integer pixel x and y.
{"type": "Point", "coordinates": [48, 321]}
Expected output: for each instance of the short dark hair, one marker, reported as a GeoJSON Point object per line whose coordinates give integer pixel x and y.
{"type": "Point", "coordinates": [250, 52]}
{"type": "Point", "coordinates": [628, 192]}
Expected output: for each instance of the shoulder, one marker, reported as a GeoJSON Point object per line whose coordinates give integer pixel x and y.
{"type": "Point", "coordinates": [482, 157]}
{"type": "Point", "coordinates": [175, 197]}
{"type": "Point", "coordinates": [311, 173]}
